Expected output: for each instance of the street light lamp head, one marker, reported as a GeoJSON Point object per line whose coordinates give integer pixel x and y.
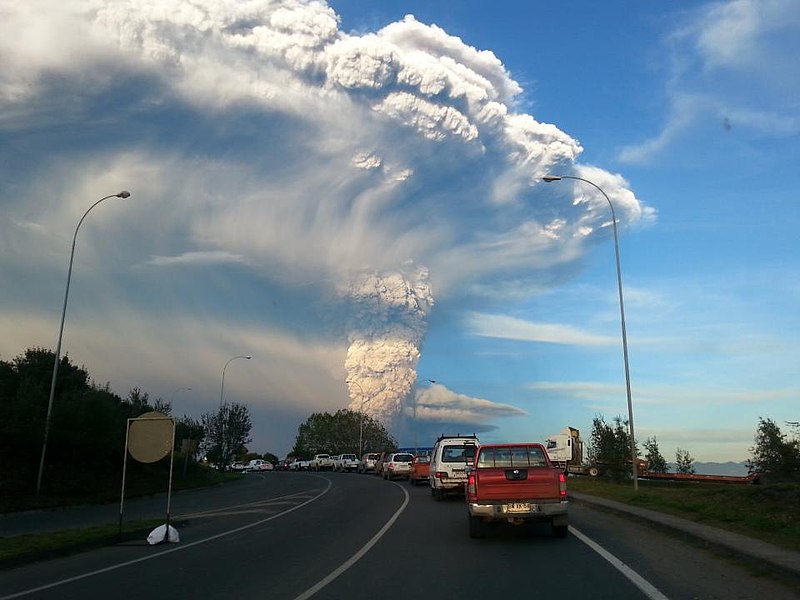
{"type": "Point", "coordinates": [124, 194]}
{"type": "Point", "coordinates": [549, 178]}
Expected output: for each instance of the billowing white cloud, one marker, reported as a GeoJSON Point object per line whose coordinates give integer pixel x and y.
{"type": "Point", "coordinates": [306, 175]}
{"type": "Point", "coordinates": [385, 332]}
{"type": "Point", "coordinates": [436, 406]}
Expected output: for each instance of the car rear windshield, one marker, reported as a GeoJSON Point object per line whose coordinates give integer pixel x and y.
{"type": "Point", "coordinates": [512, 456]}
{"type": "Point", "coordinates": [348, 456]}
{"type": "Point", "coordinates": [402, 458]}
{"type": "Point", "coordinates": [374, 456]}
{"type": "Point", "coordinates": [461, 453]}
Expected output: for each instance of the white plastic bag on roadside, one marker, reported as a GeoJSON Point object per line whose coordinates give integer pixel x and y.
{"type": "Point", "coordinates": [157, 536]}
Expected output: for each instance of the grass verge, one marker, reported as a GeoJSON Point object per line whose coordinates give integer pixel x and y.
{"type": "Point", "coordinates": [770, 513]}
{"type": "Point", "coordinates": [22, 549]}
{"type": "Point", "coordinates": [27, 548]}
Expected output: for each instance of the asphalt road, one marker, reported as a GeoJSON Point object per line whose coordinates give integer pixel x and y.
{"type": "Point", "coordinates": [348, 536]}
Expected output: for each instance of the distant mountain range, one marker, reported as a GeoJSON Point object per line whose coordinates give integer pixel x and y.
{"type": "Point", "coordinates": [714, 468]}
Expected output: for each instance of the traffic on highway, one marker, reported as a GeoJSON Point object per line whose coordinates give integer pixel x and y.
{"type": "Point", "coordinates": [332, 534]}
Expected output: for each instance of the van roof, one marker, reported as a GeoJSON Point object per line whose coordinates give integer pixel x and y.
{"type": "Point", "coordinates": [457, 436]}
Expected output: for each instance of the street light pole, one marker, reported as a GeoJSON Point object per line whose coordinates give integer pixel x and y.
{"type": "Point", "coordinates": [634, 466]}
{"type": "Point", "coordinates": [416, 450]}
{"type": "Point", "coordinates": [122, 194]}
{"type": "Point", "coordinates": [222, 387]}
{"type": "Point", "coordinates": [221, 416]}
{"type": "Point", "coordinates": [361, 426]}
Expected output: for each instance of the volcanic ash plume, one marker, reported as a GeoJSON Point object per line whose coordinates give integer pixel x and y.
{"type": "Point", "coordinates": [385, 333]}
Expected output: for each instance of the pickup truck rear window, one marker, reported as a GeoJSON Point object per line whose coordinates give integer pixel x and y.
{"type": "Point", "coordinates": [513, 456]}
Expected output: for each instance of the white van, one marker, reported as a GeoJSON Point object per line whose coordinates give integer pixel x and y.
{"type": "Point", "coordinates": [449, 459]}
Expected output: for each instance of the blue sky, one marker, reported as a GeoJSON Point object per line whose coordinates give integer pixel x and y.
{"type": "Point", "coordinates": [352, 195]}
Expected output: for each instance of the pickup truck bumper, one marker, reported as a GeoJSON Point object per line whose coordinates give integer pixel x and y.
{"type": "Point", "coordinates": [555, 511]}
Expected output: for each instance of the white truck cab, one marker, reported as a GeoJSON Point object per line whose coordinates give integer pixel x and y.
{"type": "Point", "coordinates": [449, 460]}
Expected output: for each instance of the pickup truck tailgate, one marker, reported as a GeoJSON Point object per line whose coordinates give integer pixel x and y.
{"type": "Point", "coordinates": [517, 483]}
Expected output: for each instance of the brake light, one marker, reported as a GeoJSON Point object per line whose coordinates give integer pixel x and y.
{"type": "Point", "coordinates": [562, 486]}
{"type": "Point", "coordinates": [441, 474]}
{"type": "Point", "coordinates": [472, 485]}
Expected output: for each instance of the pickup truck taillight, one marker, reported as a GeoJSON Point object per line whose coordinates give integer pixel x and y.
{"type": "Point", "coordinates": [472, 485]}
{"type": "Point", "coordinates": [562, 486]}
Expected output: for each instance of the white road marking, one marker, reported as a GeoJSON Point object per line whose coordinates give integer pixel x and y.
{"type": "Point", "coordinates": [357, 556]}
{"type": "Point", "coordinates": [640, 582]}
{"type": "Point", "coordinates": [170, 551]}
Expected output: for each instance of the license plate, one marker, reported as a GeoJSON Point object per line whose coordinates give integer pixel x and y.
{"type": "Point", "coordinates": [518, 507]}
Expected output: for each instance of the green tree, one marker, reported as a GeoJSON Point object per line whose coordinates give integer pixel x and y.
{"type": "Point", "coordinates": [655, 462]}
{"type": "Point", "coordinates": [139, 401]}
{"type": "Point", "coordinates": [684, 463]}
{"type": "Point", "coordinates": [610, 448]}
{"type": "Point", "coordinates": [774, 454]}
{"type": "Point", "coordinates": [339, 433]}
{"type": "Point", "coordinates": [162, 406]}
{"type": "Point", "coordinates": [87, 424]}
{"type": "Point", "coordinates": [187, 428]}
{"type": "Point", "coordinates": [227, 433]}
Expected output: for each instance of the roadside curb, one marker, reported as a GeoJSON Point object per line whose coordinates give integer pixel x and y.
{"type": "Point", "coordinates": [785, 560]}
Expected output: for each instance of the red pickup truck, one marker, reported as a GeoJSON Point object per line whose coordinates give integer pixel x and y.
{"type": "Point", "coordinates": [515, 483]}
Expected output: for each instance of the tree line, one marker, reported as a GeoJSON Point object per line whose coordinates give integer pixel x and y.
{"type": "Point", "coordinates": [341, 433]}
{"type": "Point", "coordinates": [89, 421]}
{"type": "Point", "coordinates": [775, 455]}
{"type": "Point", "coordinates": [88, 426]}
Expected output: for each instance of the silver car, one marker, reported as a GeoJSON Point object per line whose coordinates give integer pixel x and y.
{"type": "Point", "coordinates": [398, 465]}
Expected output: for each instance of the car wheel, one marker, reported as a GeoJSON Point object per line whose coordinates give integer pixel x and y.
{"type": "Point", "coordinates": [475, 527]}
